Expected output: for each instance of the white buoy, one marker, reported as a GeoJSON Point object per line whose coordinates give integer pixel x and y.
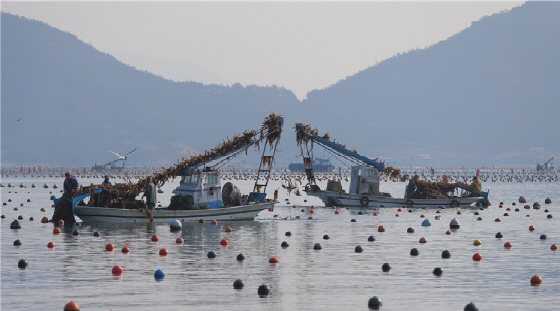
{"type": "Point", "coordinates": [176, 225]}
{"type": "Point", "coordinates": [454, 224]}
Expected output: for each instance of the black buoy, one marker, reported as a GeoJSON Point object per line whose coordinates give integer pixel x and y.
{"type": "Point", "coordinates": [471, 307]}
{"type": "Point", "coordinates": [4, 203]}
{"type": "Point", "coordinates": [536, 205]}
{"type": "Point", "coordinates": [438, 272]}
{"type": "Point", "coordinates": [386, 267]}
{"type": "Point", "coordinates": [22, 264]}
{"type": "Point", "coordinates": [478, 204]}
{"type": "Point", "coordinates": [288, 233]}
{"type": "Point", "coordinates": [31, 218]}
{"type": "Point", "coordinates": [479, 218]}
{"type": "Point", "coordinates": [506, 214]}
{"type": "Point", "coordinates": [75, 232]}
{"type": "Point", "coordinates": [96, 233]}
{"type": "Point", "coordinates": [263, 290]}
{"type": "Point", "coordinates": [9, 200]}
{"type": "Point", "coordinates": [410, 211]}
{"type": "Point", "coordinates": [20, 217]}
{"type": "Point", "coordinates": [284, 244]}
{"type": "Point", "coordinates": [501, 203]}
{"type": "Point", "coordinates": [240, 256]}
{"type": "Point", "coordinates": [201, 221]}
{"type": "Point", "coordinates": [297, 217]}
{"type": "Point", "coordinates": [211, 254]}
{"type": "Point", "coordinates": [3, 216]}
{"type": "Point", "coordinates": [15, 224]}
{"type": "Point", "coordinates": [499, 235]}
{"type": "Point", "coordinates": [17, 242]}
{"type": "Point", "coordinates": [374, 303]}
{"type": "Point", "coordinates": [360, 213]}
{"type": "Point", "coordinates": [302, 210]}
{"type": "Point", "coordinates": [414, 252]}
{"type": "Point", "coordinates": [517, 210]}
{"type": "Point", "coordinates": [547, 201]}
{"type": "Point", "coordinates": [410, 230]}
{"type": "Point", "coordinates": [358, 249]}
{"type": "Point", "coordinates": [382, 205]}
{"type": "Point", "coordinates": [476, 213]}
{"type": "Point", "coordinates": [546, 210]}
{"type": "Point", "coordinates": [326, 237]}
{"type": "Point", "coordinates": [238, 284]}
{"type": "Point", "coordinates": [371, 238]}
{"type": "Point", "coordinates": [317, 246]}
{"type": "Point", "coordinates": [353, 220]}
{"type": "Point", "coordinates": [28, 200]}
{"type": "Point", "coordinates": [549, 216]}
{"type": "Point", "coordinates": [446, 254]}
{"type": "Point", "coordinates": [543, 236]}
{"type": "Point", "coordinates": [522, 199]}
{"type": "Point", "coordinates": [305, 201]}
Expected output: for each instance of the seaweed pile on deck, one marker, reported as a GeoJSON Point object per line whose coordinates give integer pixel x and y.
{"type": "Point", "coordinates": [435, 190]}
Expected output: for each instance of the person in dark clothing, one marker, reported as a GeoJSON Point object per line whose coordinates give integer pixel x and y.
{"type": "Point", "coordinates": [106, 182]}
{"type": "Point", "coordinates": [70, 184]}
{"type": "Point", "coordinates": [412, 187]}
{"type": "Point", "coordinates": [150, 193]}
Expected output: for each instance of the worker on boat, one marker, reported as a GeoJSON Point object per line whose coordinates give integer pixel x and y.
{"type": "Point", "coordinates": [475, 187]}
{"type": "Point", "coordinates": [106, 182]}
{"type": "Point", "coordinates": [150, 193]}
{"type": "Point", "coordinates": [70, 184]}
{"type": "Point", "coordinates": [412, 187]}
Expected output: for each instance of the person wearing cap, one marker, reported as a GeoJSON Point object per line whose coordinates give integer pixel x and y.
{"type": "Point", "coordinates": [70, 184]}
{"type": "Point", "coordinates": [475, 187]}
{"type": "Point", "coordinates": [412, 187]}
{"type": "Point", "coordinates": [106, 182]}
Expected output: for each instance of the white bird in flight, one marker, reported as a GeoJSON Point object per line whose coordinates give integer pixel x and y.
{"type": "Point", "coordinates": [124, 156]}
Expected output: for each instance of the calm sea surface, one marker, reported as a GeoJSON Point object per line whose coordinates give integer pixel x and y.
{"type": "Point", "coordinates": [333, 278]}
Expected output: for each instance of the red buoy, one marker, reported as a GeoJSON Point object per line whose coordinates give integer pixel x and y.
{"type": "Point", "coordinates": [497, 220]}
{"type": "Point", "coordinates": [508, 245]}
{"type": "Point", "coordinates": [61, 222]}
{"type": "Point", "coordinates": [397, 215]}
{"type": "Point", "coordinates": [312, 206]}
{"type": "Point", "coordinates": [155, 238]}
{"type": "Point", "coordinates": [271, 209]}
{"type": "Point", "coordinates": [214, 222]}
{"type": "Point", "coordinates": [311, 212]}
{"type": "Point", "coordinates": [422, 216]}
{"type": "Point", "coordinates": [438, 211]}
{"type": "Point", "coordinates": [477, 257]}
{"type": "Point", "coordinates": [16, 209]}
{"type": "Point", "coordinates": [295, 206]}
{"type": "Point", "coordinates": [228, 229]}
{"type": "Point", "coordinates": [310, 218]}
{"type": "Point", "coordinates": [117, 270]}
{"type": "Point", "coordinates": [179, 240]}
{"type": "Point", "coordinates": [109, 247]}
{"type": "Point", "coordinates": [380, 229]}
{"type": "Point", "coordinates": [163, 252]}
{"type": "Point", "coordinates": [71, 306]}
{"type": "Point", "coordinates": [399, 210]}
{"type": "Point", "coordinates": [44, 220]}
{"type": "Point", "coordinates": [536, 280]}
{"type": "Point", "coordinates": [273, 260]}
{"type": "Point", "coordinates": [508, 209]}
{"type": "Point", "coordinates": [448, 232]}
{"type": "Point", "coordinates": [527, 206]}
{"type": "Point", "coordinates": [374, 214]}
{"type": "Point", "coordinates": [337, 212]}
{"type": "Point", "coordinates": [422, 240]}
{"type": "Point", "coordinates": [334, 207]}
{"type": "Point", "coordinates": [437, 217]}
{"type": "Point", "coordinates": [56, 231]}
{"type": "Point", "coordinates": [553, 247]}
{"type": "Point", "coordinates": [50, 245]}
{"type": "Point", "coordinates": [125, 249]}
{"type": "Point", "coordinates": [224, 242]}
{"type": "Point", "coordinates": [501, 205]}
{"type": "Point", "coordinates": [459, 213]}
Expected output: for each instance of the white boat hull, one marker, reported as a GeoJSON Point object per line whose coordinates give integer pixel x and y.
{"type": "Point", "coordinates": [163, 215]}
{"type": "Point", "coordinates": [331, 198]}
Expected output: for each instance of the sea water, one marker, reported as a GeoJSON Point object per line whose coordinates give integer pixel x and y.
{"type": "Point", "coordinates": [79, 268]}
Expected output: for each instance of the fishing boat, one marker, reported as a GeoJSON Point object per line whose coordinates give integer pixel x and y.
{"type": "Point", "coordinates": [198, 196]}
{"type": "Point", "coordinates": [364, 182]}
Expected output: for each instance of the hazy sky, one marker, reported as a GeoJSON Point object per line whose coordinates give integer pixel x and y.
{"type": "Point", "coordinates": [298, 45]}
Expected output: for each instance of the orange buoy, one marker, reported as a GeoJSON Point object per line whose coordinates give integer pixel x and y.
{"type": "Point", "coordinates": [311, 212]}
{"type": "Point", "coordinates": [310, 218]}
{"type": "Point", "coordinates": [117, 270]}
{"type": "Point", "coordinates": [179, 240]}
{"type": "Point", "coordinates": [44, 220]}
{"type": "Point", "coordinates": [273, 260]}
{"type": "Point", "coordinates": [497, 220]}
{"type": "Point", "coordinates": [531, 228]}
{"type": "Point", "coordinates": [295, 206]}
{"type": "Point", "coordinates": [71, 306]}
{"type": "Point", "coordinates": [536, 280]}
{"type": "Point", "coordinates": [553, 247]}
{"type": "Point", "coordinates": [337, 212]}
{"type": "Point", "coordinates": [448, 232]}
{"type": "Point", "coordinates": [228, 229]}
{"type": "Point", "coordinates": [214, 222]}
{"type": "Point", "coordinates": [50, 245]}
{"type": "Point", "coordinates": [109, 247]}
{"type": "Point", "coordinates": [56, 231]}
{"type": "Point", "coordinates": [224, 242]}
{"type": "Point", "coordinates": [61, 222]}
{"type": "Point", "coordinates": [163, 252]}
{"type": "Point", "coordinates": [477, 257]}
{"type": "Point", "coordinates": [380, 229]}
{"type": "Point", "coordinates": [437, 217]}
{"type": "Point", "coordinates": [423, 240]}
{"type": "Point", "coordinates": [399, 210]}
{"type": "Point", "coordinates": [155, 238]}
{"type": "Point", "coordinates": [312, 206]}
{"type": "Point", "coordinates": [508, 245]}
{"type": "Point", "coordinates": [422, 216]}
{"type": "Point", "coordinates": [438, 211]}
{"type": "Point", "coordinates": [125, 249]}
{"type": "Point", "coordinates": [374, 214]}
{"type": "Point", "coordinates": [16, 209]}
{"type": "Point", "coordinates": [459, 213]}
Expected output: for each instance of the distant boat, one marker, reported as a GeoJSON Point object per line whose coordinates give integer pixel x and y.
{"type": "Point", "coordinates": [319, 165]}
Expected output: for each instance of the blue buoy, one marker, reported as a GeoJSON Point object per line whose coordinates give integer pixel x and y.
{"type": "Point", "coordinates": [159, 273]}
{"type": "Point", "coordinates": [426, 223]}
{"type": "Point", "coordinates": [375, 303]}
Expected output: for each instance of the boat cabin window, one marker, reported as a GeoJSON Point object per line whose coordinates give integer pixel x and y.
{"type": "Point", "coordinates": [212, 178]}
{"type": "Point", "coordinates": [189, 179]}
